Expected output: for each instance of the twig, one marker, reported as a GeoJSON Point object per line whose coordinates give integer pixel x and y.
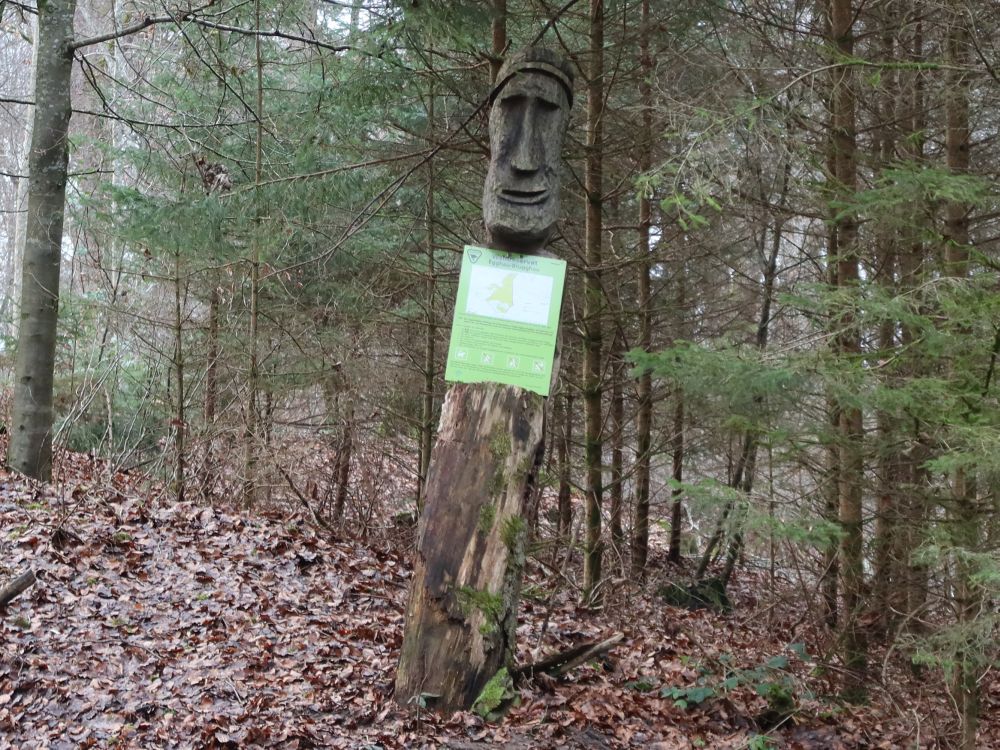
{"type": "Point", "coordinates": [561, 663]}
{"type": "Point", "coordinates": [302, 498]}
{"type": "Point", "coordinates": [16, 587]}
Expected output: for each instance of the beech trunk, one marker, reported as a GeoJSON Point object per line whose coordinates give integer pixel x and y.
{"type": "Point", "coordinates": [31, 435]}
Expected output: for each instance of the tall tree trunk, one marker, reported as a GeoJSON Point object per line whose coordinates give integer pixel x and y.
{"type": "Point", "coordinates": [344, 462]}
{"type": "Point", "coordinates": [212, 368]}
{"type": "Point", "coordinates": [677, 474]}
{"type": "Point", "coordinates": [593, 305]}
{"type": "Point", "coordinates": [31, 435]}
{"type": "Point", "coordinates": [912, 593]}
{"type": "Point", "coordinates": [15, 257]}
{"type": "Point", "coordinates": [888, 491]}
{"type": "Point", "coordinates": [498, 29]}
{"type": "Point", "coordinates": [427, 403]}
{"type": "Point", "coordinates": [564, 422]}
{"type": "Point", "coordinates": [644, 419]}
{"type": "Point", "coordinates": [966, 536]}
{"type": "Point", "coordinates": [253, 381]}
{"type": "Point", "coordinates": [617, 415]}
{"type": "Point", "coordinates": [180, 424]}
{"type": "Point", "coordinates": [848, 343]}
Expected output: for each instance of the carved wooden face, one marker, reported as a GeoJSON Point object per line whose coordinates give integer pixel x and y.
{"type": "Point", "coordinates": [521, 197]}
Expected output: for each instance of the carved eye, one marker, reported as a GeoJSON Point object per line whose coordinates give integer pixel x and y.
{"type": "Point", "coordinates": [513, 101]}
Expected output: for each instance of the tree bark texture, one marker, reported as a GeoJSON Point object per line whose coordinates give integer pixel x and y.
{"type": "Point", "coordinates": [967, 517]}
{"type": "Point", "coordinates": [677, 474]}
{"type": "Point", "coordinates": [887, 241]}
{"type": "Point", "coordinates": [644, 418]}
{"type": "Point", "coordinates": [15, 588]}
{"type": "Point", "coordinates": [31, 435]}
{"type": "Point", "coordinates": [617, 414]}
{"type": "Point", "coordinates": [593, 305]}
{"type": "Point", "coordinates": [344, 463]}
{"type": "Point", "coordinates": [430, 333]}
{"type": "Point", "coordinates": [911, 594]}
{"type": "Point", "coordinates": [498, 30]}
{"type": "Point", "coordinates": [851, 429]}
{"type": "Point", "coordinates": [462, 611]}
{"type": "Point", "coordinates": [564, 423]}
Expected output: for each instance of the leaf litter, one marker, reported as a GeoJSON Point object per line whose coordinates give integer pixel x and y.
{"type": "Point", "coordinates": [176, 625]}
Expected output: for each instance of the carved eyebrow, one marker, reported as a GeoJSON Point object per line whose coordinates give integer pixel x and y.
{"type": "Point", "coordinates": [553, 99]}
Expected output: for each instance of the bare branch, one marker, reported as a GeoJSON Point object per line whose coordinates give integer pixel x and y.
{"type": "Point", "coordinates": [16, 587]}
{"type": "Point", "coordinates": [192, 17]}
{"type": "Point", "coordinates": [119, 33]}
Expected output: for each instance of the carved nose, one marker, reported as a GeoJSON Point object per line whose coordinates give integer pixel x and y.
{"type": "Point", "coordinates": [528, 152]}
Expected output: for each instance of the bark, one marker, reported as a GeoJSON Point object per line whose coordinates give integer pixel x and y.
{"type": "Point", "coordinates": [15, 257]}
{"type": "Point", "coordinates": [593, 306]}
{"type": "Point", "coordinates": [16, 587]}
{"type": "Point", "coordinates": [212, 369]}
{"type": "Point", "coordinates": [644, 418]}
{"type": "Point", "coordinates": [888, 474]}
{"type": "Point", "coordinates": [461, 615]}
{"type": "Point", "coordinates": [965, 685]}
{"type": "Point", "coordinates": [180, 450]}
{"type": "Point", "coordinates": [564, 422]}
{"type": "Point", "coordinates": [251, 446]}
{"type": "Point", "coordinates": [677, 474]}
{"type": "Point", "coordinates": [31, 435]}
{"type": "Point", "coordinates": [427, 401]}
{"type": "Point", "coordinates": [911, 594]}
{"type": "Point", "coordinates": [851, 432]}
{"type": "Point", "coordinates": [617, 414]}
{"type": "Point", "coordinates": [344, 463]}
{"type": "Point", "coordinates": [498, 29]}
{"type": "Point", "coordinates": [562, 663]}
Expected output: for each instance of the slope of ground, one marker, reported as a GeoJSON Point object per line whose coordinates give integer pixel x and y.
{"type": "Point", "coordinates": [159, 625]}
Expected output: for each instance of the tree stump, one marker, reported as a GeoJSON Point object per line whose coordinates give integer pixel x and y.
{"type": "Point", "coordinates": [462, 612]}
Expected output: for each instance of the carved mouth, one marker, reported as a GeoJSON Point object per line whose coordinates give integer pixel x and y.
{"type": "Point", "coordinates": [524, 197]}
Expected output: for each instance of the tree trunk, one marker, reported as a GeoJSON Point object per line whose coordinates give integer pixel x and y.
{"type": "Point", "coordinates": [15, 258]}
{"type": "Point", "coordinates": [180, 450]}
{"type": "Point", "coordinates": [848, 344]}
{"type": "Point", "coordinates": [677, 474]}
{"type": "Point", "coordinates": [644, 419]}
{"type": "Point", "coordinates": [564, 422]}
{"type": "Point", "coordinates": [251, 446]}
{"type": "Point", "coordinates": [617, 414]}
{"type": "Point", "coordinates": [912, 513]}
{"type": "Point", "coordinates": [344, 463]}
{"type": "Point", "coordinates": [31, 435]}
{"type": "Point", "coordinates": [593, 306]}
{"type": "Point", "coordinates": [966, 536]}
{"type": "Point", "coordinates": [461, 615]}
{"type": "Point", "coordinates": [888, 493]}
{"type": "Point", "coordinates": [498, 29]}
{"type": "Point", "coordinates": [212, 368]}
{"type": "Point", "coordinates": [427, 401]}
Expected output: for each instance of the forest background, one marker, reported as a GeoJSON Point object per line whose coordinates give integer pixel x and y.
{"type": "Point", "coordinates": [781, 322]}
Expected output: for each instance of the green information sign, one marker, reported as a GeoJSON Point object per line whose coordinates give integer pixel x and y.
{"type": "Point", "coordinates": [506, 319]}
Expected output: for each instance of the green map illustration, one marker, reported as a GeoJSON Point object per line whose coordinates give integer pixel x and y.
{"type": "Point", "coordinates": [503, 293]}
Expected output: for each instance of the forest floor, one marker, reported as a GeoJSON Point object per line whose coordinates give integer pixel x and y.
{"type": "Point", "coordinates": [157, 624]}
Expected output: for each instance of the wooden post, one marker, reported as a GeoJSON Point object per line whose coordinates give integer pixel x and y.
{"type": "Point", "coordinates": [461, 618]}
{"type": "Point", "coordinates": [462, 611]}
